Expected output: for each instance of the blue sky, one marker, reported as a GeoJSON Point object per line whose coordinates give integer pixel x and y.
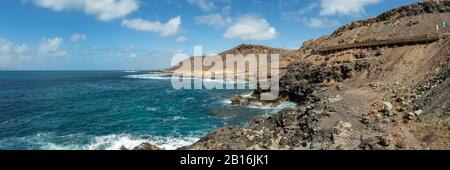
{"type": "Point", "coordinates": [145, 34]}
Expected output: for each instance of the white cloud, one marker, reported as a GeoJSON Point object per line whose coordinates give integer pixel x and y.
{"type": "Point", "coordinates": [250, 27]}
{"type": "Point", "coordinates": [181, 39]}
{"type": "Point", "coordinates": [170, 28]}
{"type": "Point", "coordinates": [345, 7]}
{"type": "Point", "coordinates": [11, 52]}
{"type": "Point", "coordinates": [320, 22]}
{"type": "Point", "coordinates": [51, 48]}
{"type": "Point", "coordinates": [217, 20]}
{"type": "Point", "coordinates": [78, 37]}
{"type": "Point", "coordinates": [14, 55]}
{"type": "Point", "coordinates": [205, 5]}
{"type": "Point", "coordinates": [104, 10]}
{"type": "Point", "coordinates": [298, 14]}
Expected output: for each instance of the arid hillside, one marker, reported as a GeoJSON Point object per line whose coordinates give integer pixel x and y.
{"type": "Point", "coordinates": [243, 50]}
{"type": "Point", "coordinates": [380, 87]}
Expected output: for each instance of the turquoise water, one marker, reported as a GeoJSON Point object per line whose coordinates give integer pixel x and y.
{"type": "Point", "coordinates": [108, 109]}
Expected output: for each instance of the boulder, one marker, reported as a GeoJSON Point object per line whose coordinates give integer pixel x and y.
{"type": "Point", "coordinates": [236, 100]}
{"type": "Point", "coordinates": [418, 112]}
{"type": "Point", "coordinates": [146, 146]}
{"type": "Point", "coordinates": [388, 109]}
{"type": "Point", "coordinates": [386, 140]}
{"type": "Point", "coordinates": [410, 116]}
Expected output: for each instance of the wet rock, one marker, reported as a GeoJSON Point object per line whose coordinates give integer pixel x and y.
{"type": "Point", "coordinates": [146, 146]}
{"type": "Point", "coordinates": [123, 148]}
{"type": "Point", "coordinates": [236, 100]}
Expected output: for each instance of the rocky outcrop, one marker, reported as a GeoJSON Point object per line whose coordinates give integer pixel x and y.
{"type": "Point", "coordinates": [144, 146]}
{"type": "Point", "coordinates": [368, 99]}
{"type": "Point", "coordinates": [253, 49]}
{"type": "Point", "coordinates": [405, 11]}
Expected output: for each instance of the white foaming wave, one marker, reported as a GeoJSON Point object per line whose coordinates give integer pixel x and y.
{"type": "Point", "coordinates": [131, 71]}
{"type": "Point", "coordinates": [247, 95]}
{"type": "Point", "coordinates": [283, 105]}
{"type": "Point", "coordinates": [178, 118]}
{"type": "Point", "coordinates": [151, 109]}
{"type": "Point", "coordinates": [259, 105]}
{"type": "Point", "coordinates": [172, 143]}
{"type": "Point", "coordinates": [155, 76]}
{"type": "Point", "coordinates": [108, 142]}
{"type": "Point", "coordinates": [167, 76]}
{"type": "Point", "coordinates": [226, 102]}
{"type": "Point", "coordinates": [115, 142]}
{"type": "Point", "coordinates": [224, 81]}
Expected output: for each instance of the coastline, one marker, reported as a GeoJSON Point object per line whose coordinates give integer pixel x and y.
{"type": "Point", "coordinates": [377, 98]}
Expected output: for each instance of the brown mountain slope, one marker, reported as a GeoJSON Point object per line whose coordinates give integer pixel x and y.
{"type": "Point", "coordinates": [378, 97]}
{"type": "Point", "coordinates": [243, 49]}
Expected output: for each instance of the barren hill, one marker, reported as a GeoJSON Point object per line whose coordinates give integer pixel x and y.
{"type": "Point", "coordinates": [384, 96]}
{"type": "Point", "coordinates": [243, 49]}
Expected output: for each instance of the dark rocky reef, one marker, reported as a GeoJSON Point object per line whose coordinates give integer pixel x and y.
{"type": "Point", "coordinates": [143, 146]}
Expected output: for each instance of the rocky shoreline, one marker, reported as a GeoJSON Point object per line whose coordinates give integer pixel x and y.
{"type": "Point", "coordinates": [358, 99]}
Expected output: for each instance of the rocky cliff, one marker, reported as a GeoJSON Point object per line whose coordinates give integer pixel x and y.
{"type": "Point", "coordinates": [384, 97]}
{"type": "Point", "coordinates": [243, 49]}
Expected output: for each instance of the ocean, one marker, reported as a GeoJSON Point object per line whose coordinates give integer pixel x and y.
{"type": "Point", "coordinates": [104, 110]}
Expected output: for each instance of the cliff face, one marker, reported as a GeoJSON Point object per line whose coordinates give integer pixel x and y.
{"type": "Point", "coordinates": [384, 97]}
{"type": "Point", "coordinates": [244, 49]}
{"type": "Point", "coordinates": [414, 19]}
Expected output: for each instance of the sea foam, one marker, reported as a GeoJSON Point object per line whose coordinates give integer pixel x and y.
{"type": "Point", "coordinates": [107, 142]}
{"type": "Point", "coordinates": [115, 142]}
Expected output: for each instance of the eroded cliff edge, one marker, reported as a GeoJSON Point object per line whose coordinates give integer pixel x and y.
{"type": "Point", "coordinates": [384, 96]}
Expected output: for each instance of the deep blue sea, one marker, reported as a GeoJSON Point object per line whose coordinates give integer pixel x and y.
{"type": "Point", "coordinates": [66, 110]}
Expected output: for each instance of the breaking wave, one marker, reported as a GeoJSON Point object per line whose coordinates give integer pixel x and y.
{"type": "Point", "coordinates": [46, 141]}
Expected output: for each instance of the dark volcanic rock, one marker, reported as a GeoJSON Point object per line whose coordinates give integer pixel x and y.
{"type": "Point", "coordinates": [302, 78]}
{"type": "Point", "coordinates": [146, 146]}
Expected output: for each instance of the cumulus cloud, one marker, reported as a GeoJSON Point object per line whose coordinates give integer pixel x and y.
{"type": "Point", "coordinates": [250, 27]}
{"type": "Point", "coordinates": [181, 39]}
{"type": "Point", "coordinates": [51, 48]}
{"type": "Point", "coordinates": [205, 5]}
{"type": "Point", "coordinates": [320, 22]}
{"type": "Point", "coordinates": [11, 52]}
{"type": "Point", "coordinates": [344, 7]}
{"type": "Point", "coordinates": [170, 28]}
{"type": "Point", "coordinates": [78, 37]}
{"type": "Point", "coordinates": [217, 20]}
{"type": "Point", "coordinates": [104, 10]}
{"type": "Point", "coordinates": [13, 55]}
